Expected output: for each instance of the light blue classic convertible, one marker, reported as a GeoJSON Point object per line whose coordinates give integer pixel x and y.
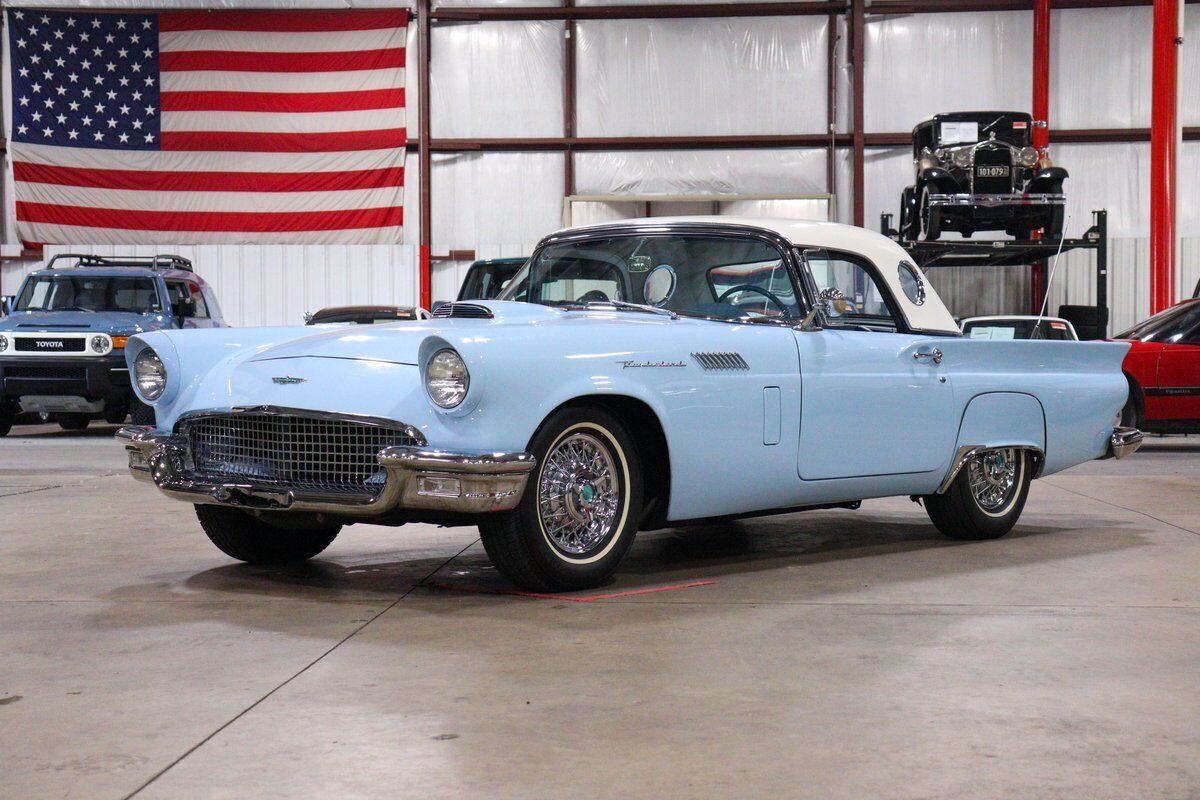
{"type": "Point", "coordinates": [632, 376]}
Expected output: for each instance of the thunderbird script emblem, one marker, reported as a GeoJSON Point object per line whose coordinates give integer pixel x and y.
{"type": "Point", "coordinates": [285, 380]}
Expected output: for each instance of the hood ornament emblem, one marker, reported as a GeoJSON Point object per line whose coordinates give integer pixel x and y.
{"type": "Point", "coordinates": [286, 380]}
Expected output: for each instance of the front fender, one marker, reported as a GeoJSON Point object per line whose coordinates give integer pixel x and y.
{"type": "Point", "coordinates": [941, 180]}
{"type": "Point", "coordinates": [1047, 181]}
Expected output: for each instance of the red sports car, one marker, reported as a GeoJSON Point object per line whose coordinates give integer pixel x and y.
{"type": "Point", "coordinates": [1163, 368]}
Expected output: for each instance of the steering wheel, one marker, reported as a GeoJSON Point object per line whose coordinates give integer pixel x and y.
{"type": "Point", "coordinates": [593, 296]}
{"type": "Point", "coordinates": [747, 287]}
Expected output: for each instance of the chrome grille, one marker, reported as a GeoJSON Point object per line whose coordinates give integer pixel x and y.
{"type": "Point", "coordinates": [296, 451]}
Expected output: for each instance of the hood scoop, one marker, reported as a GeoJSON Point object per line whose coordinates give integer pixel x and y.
{"type": "Point", "coordinates": [463, 311]}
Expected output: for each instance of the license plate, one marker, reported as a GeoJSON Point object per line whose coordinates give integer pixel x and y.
{"type": "Point", "coordinates": [992, 172]}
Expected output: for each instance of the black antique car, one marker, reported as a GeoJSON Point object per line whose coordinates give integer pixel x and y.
{"type": "Point", "coordinates": [978, 171]}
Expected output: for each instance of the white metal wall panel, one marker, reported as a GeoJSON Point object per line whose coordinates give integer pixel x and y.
{"type": "Point", "coordinates": [278, 284]}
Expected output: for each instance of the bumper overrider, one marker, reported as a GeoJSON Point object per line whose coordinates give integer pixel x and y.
{"type": "Point", "coordinates": [1123, 442]}
{"type": "Point", "coordinates": [417, 478]}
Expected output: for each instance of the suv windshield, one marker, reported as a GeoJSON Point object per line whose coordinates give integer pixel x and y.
{"type": "Point", "coordinates": [138, 295]}
{"type": "Point", "coordinates": [701, 276]}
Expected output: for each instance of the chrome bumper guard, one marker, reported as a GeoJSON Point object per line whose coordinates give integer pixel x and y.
{"type": "Point", "coordinates": [991, 200]}
{"type": "Point", "coordinates": [417, 478]}
{"type": "Point", "coordinates": [1123, 442]}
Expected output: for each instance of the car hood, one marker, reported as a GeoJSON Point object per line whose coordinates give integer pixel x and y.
{"type": "Point", "coordinates": [117, 323]}
{"type": "Point", "coordinates": [401, 342]}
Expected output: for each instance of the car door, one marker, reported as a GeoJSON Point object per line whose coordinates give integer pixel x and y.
{"type": "Point", "coordinates": [1178, 390]}
{"type": "Point", "coordinates": [875, 400]}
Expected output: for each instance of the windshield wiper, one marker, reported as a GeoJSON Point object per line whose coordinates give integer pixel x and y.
{"type": "Point", "coordinates": [622, 306]}
{"type": "Point", "coordinates": [76, 308]}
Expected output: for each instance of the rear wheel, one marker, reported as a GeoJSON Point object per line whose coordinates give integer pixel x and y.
{"type": "Point", "coordinates": [1131, 414]}
{"type": "Point", "coordinates": [987, 496]}
{"type": "Point", "coordinates": [580, 510]}
{"type": "Point", "coordinates": [73, 421]}
{"type": "Point", "coordinates": [247, 538]}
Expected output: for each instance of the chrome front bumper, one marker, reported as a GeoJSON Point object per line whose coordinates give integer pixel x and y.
{"type": "Point", "coordinates": [417, 478]}
{"type": "Point", "coordinates": [1123, 442]}
{"type": "Point", "coordinates": [993, 200]}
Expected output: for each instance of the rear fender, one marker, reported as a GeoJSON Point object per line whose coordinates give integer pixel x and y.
{"type": "Point", "coordinates": [1000, 419]}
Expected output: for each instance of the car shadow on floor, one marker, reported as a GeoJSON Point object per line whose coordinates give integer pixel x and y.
{"type": "Point", "coordinates": [714, 552]}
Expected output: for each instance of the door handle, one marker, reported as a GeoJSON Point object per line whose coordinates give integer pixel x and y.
{"type": "Point", "coordinates": [935, 355]}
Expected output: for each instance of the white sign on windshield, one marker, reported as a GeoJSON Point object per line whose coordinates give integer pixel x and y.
{"type": "Point", "coordinates": [960, 132]}
{"type": "Point", "coordinates": [985, 332]}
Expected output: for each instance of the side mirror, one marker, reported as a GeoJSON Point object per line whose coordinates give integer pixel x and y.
{"type": "Point", "coordinates": [184, 308]}
{"type": "Point", "coordinates": [6, 304]}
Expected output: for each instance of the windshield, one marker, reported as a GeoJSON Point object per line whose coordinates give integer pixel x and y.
{"type": "Point", "coordinates": [701, 276]}
{"type": "Point", "coordinates": [1165, 326]}
{"type": "Point", "coordinates": [1054, 330]}
{"type": "Point", "coordinates": [138, 295]}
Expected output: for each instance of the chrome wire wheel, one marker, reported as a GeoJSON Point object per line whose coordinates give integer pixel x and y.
{"type": "Point", "coordinates": [579, 494]}
{"type": "Point", "coordinates": [994, 478]}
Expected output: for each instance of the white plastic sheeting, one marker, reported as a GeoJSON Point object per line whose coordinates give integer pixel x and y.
{"type": "Point", "coordinates": [1100, 67]}
{"type": "Point", "coordinates": [919, 65]}
{"type": "Point", "coordinates": [1189, 68]}
{"type": "Point", "coordinates": [775, 171]}
{"type": "Point", "coordinates": [495, 79]}
{"type": "Point", "coordinates": [701, 77]}
{"type": "Point", "coordinates": [494, 198]}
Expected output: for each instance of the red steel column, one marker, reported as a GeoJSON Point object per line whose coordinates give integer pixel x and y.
{"type": "Point", "coordinates": [1041, 117]}
{"type": "Point", "coordinates": [1164, 133]}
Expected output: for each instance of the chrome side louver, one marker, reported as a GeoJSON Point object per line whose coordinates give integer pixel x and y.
{"type": "Point", "coordinates": [463, 311]}
{"type": "Point", "coordinates": [713, 362]}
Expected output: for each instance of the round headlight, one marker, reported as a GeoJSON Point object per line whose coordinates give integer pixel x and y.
{"type": "Point", "coordinates": [962, 157]}
{"type": "Point", "coordinates": [149, 374]}
{"type": "Point", "coordinates": [941, 154]}
{"type": "Point", "coordinates": [101, 344]}
{"type": "Point", "coordinates": [3, 343]}
{"type": "Point", "coordinates": [1027, 156]}
{"type": "Point", "coordinates": [446, 378]}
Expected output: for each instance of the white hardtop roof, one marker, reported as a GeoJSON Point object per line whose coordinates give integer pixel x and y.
{"type": "Point", "coordinates": [886, 255]}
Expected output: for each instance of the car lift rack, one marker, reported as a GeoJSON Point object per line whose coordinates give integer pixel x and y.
{"type": "Point", "coordinates": [1009, 252]}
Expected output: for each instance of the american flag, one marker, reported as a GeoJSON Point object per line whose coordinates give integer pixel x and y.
{"type": "Point", "coordinates": [208, 127]}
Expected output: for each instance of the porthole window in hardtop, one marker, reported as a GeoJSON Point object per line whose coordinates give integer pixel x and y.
{"type": "Point", "coordinates": [911, 283]}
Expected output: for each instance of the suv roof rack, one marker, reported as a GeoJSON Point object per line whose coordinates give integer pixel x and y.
{"type": "Point", "coordinates": [159, 261]}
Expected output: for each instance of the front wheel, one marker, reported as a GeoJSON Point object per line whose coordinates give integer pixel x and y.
{"type": "Point", "coordinates": [580, 510]}
{"type": "Point", "coordinates": [931, 218]}
{"type": "Point", "coordinates": [987, 496]}
{"type": "Point", "coordinates": [73, 421]}
{"type": "Point", "coordinates": [247, 538]}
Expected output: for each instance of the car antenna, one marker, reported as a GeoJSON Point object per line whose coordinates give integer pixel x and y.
{"type": "Point", "coordinates": [1037, 323]}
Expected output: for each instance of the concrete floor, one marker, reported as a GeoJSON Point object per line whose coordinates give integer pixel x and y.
{"type": "Point", "coordinates": [832, 655]}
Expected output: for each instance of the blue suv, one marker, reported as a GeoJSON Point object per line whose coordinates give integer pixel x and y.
{"type": "Point", "coordinates": [62, 341]}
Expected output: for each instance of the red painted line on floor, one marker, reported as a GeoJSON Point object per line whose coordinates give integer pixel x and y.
{"type": "Point", "coordinates": [589, 598]}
